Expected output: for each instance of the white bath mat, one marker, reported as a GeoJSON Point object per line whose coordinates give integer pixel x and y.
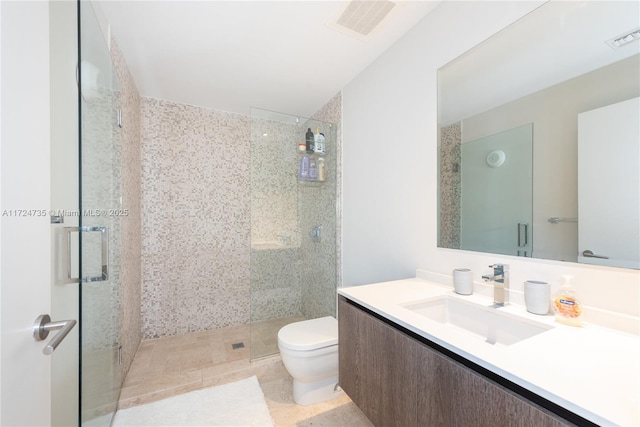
{"type": "Point", "coordinates": [236, 404]}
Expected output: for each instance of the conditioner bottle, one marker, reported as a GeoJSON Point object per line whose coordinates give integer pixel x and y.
{"type": "Point", "coordinates": [318, 141]}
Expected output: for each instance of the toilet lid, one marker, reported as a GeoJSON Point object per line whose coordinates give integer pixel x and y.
{"type": "Point", "coordinates": [309, 334]}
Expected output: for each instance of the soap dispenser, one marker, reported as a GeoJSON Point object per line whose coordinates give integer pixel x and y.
{"type": "Point", "coordinates": [566, 306]}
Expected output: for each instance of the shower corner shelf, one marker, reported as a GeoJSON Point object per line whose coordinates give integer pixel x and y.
{"type": "Point", "coordinates": [311, 183]}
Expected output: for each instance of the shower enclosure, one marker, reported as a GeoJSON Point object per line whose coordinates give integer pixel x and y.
{"type": "Point", "coordinates": [100, 220]}
{"type": "Point", "coordinates": [293, 254]}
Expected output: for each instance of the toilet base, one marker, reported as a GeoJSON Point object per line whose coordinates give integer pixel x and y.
{"type": "Point", "coordinates": [321, 391]}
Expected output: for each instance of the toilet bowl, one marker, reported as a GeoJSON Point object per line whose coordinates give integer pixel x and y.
{"type": "Point", "coordinates": [309, 351]}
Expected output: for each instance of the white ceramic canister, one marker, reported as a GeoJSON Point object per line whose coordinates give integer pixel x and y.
{"type": "Point", "coordinates": [463, 281]}
{"type": "Point", "coordinates": [537, 296]}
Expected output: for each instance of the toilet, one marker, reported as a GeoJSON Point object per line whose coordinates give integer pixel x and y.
{"type": "Point", "coordinates": [309, 351]}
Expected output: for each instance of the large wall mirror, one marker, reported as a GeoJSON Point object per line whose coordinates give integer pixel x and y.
{"type": "Point", "coordinates": [539, 140]}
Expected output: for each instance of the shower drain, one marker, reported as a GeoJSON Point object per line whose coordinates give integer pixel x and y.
{"type": "Point", "coordinates": [237, 345]}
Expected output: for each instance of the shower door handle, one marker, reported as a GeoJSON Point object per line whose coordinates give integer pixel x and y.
{"type": "Point", "coordinates": [523, 234]}
{"type": "Point", "coordinates": [104, 249]}
{"type": "Point", "coordinates": [43, 325]}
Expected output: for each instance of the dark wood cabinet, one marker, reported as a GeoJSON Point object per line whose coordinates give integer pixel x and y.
{"type": "Point", "coordinates": [375, 357]}
{"type": "Point", "coordinates": [397, 380]}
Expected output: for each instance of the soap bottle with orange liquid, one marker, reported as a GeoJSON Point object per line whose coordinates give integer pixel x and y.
{"type": "Point", "coordinates": [566, 305]}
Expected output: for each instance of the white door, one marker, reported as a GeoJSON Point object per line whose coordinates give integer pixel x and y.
{"type": "Point", "coordinates": [39, 180]}
{"type": "Point", "coordinates": [26, 290]}
{"type": "Point", "coordinates": [65, 374]}
{"type": "Point", "coordinates": [609, 185]}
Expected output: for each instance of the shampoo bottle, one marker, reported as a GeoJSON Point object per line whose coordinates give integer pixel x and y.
{"type": "Point", "coordinates": [566, 306]}
{"type": "Point", "coordinates": [303, 171]}
{"type": "Point", "coordinates": [309, 141]}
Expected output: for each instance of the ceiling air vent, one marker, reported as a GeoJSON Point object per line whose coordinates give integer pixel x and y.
{"type": "Point", "coordinates": [362, 16]}
{"type": "Point", "coordinates": [624, 39]}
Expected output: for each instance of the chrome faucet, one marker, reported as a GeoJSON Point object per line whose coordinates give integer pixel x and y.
{"type": "Point", "coordinates": [500, 279]}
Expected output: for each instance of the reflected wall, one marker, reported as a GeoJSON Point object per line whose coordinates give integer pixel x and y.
{"type": "Point", "coordinates": [553, 111]}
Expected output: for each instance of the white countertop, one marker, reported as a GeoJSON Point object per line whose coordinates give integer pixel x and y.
{"type": "Point", "coordinates": [589, 370]}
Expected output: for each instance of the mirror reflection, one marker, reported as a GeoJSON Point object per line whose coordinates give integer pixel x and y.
{"type": "Point", "coordinates": [567, 75]}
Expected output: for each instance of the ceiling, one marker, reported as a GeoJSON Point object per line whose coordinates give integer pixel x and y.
{"type": "Point", "coordinates": [556, 42]}
{"type": "Point", "coordinates": [285, 56]}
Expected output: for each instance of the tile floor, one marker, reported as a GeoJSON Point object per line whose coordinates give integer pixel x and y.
{"type": "Point", "coordinates": [166, 367]}
{"type": "Point", "coordinates": [264, 335]}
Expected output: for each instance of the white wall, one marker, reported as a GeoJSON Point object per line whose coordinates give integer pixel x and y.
{"type": "Point", "coordinates": [0, 208]}
{"type": "Point", "coordinates": [389, 146]}
{"type": "Point", "coordinates": [390, 168]}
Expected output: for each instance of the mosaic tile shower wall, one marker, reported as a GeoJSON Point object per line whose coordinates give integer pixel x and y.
{"type": "Point", "coordinates": [198, 222]}
{"type": "Point", "coordinates": [195, 220]}
{"type": "Point", "coordinates": [275, 231]}
{"type": "Point", "coordinates": [292, 274]}
{"type": "Point", "coordinates": [100, 189]}
{"type": "Point", "coordinates": [102, 186]}
{"type": "Point", "coordinates": [131, 269]}
{"type": "Point", "coordinates": [321, 208]}
{"type": "Point", "coordinates": [450, 185]}
{"type": "Point", "coordinates": [274, 219]}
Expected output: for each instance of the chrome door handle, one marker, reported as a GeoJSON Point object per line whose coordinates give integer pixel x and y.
{"type": "Point", "coordinates": [523, 234]}
{"type": "Point", "coordinates": [43, 325]}
{"type": "Point", "coordinates": [590, 254]}
{"type": "Point", "coordinates": [104, 254]}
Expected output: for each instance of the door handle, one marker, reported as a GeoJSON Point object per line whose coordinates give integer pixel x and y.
{"type": "Point", "coordinates": [523, 234]}
{"type": "Point", "coordinates": [104, 252]}
{"type": "Point", "coordinates": [590, 254]}
{"type": "Point", "coordinates": [43, 325]}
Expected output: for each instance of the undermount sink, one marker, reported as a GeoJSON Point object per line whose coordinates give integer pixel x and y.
{"type": "Point", "coordinates": [484, 322]}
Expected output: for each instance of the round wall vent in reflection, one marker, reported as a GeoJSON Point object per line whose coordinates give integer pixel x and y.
{"type": "Point", "coordinates": [496, 158]}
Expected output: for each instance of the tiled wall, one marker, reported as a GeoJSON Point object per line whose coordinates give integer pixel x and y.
{"type": "Point", "coordinates": [292, 273]}
{"type": "Point", "coordinates": [274, 199]}
{"type": "Point", "coordinates": [101, 187]}
{"type": "Point", "coordinates": [319, 294]}
{"type": "Point", "coordinates": [195, 221]}
{"type": "Point", "coordinates": [450, 186]}
{"type": "Point", "coordinates": [131, 239]}
{"type": "Point", "coordinates": [197, 194]}
{"type": "Point", "coordinates": [275, 230]}
{"type": "Point", "coordinates": [111, 181]}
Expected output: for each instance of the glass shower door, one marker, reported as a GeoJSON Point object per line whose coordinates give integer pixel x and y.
{"type": "Point", "coordinates": [293, 226]}
{"type": "Point", "coordinates": [100, 375]}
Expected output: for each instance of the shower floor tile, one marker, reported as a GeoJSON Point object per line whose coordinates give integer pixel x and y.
{"type": "Point", "coordinates": [167, 367]}
{"type": "Point", "coordinates": [264, 335]}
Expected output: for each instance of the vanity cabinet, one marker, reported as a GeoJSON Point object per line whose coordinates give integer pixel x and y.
{"type": "Point", "coordinates": [374, 366]}
{"type": "Point", "coordinates": [396, 380]}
